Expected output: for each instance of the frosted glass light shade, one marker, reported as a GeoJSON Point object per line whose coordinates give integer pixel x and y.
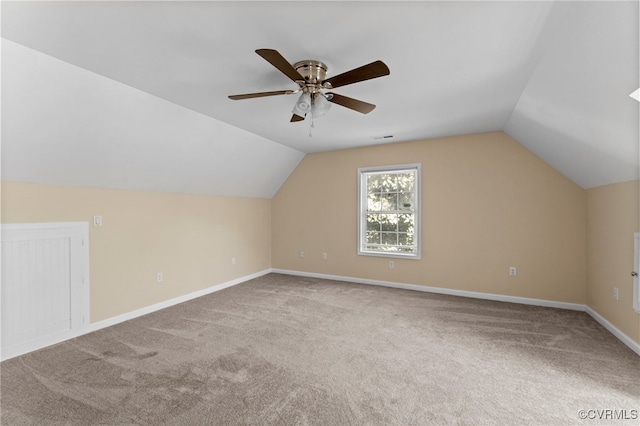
{"type": "Point", "coordinates": [320, 105]}
{"type": "Point", "coordinates": [303, 105]}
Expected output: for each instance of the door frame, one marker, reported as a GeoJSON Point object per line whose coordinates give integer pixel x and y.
{"type": "Point", "coordinates": [636, 270]}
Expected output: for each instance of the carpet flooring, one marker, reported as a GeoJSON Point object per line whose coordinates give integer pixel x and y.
{"type": "Point", "coordinates": [284, 350]}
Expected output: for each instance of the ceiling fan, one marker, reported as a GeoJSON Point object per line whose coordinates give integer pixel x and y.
{"type": "Point", "coordinates": [310, 75]}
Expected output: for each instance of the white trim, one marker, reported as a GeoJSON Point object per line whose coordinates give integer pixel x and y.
{"type": "Point", "coordinates": [171, 302]}
{"type": "Point", "coordinates": [636, 269]}
{"type": "Point", "coordinates": [613, 330]}
{"type": "Point", "coordinates": [440, 290]}
{"type": "Point", "coordinates": [47, 225]}
{"type": "Point", "coordinates": [477, 295]}
{"type": "Point", "coordinates": [133, 314]}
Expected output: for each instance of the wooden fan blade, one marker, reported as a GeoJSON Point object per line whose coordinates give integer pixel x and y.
{"type": "Point", "coordinates": [351, 103]}
{"type": "Point", "coordinates": [277, 60]}
{"type": "Point", "coordinates": [296, 117]}
{"type": "Point", "coordinates": [366, 72]}
{"type": "Point", "coordinates": [261, 94]}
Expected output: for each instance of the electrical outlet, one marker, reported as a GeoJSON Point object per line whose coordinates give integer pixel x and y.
{"type": "Point", "coordinates": [615, 293]}
{"type": "Point", "coordinates": [324, 256]}
{"type": "Point", "coordinates": [301, 253]}
{"type": "Point", "coordinates": [234, 261]}
{"type": "Point", "coordinates": [159, 277]}
{"type": "Point", "coordinates": [513, 271]}
{"type": "Point", "coordinates": [392, 264]}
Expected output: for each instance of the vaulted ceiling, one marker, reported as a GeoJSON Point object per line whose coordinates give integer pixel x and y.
{"type": "Point", "coordinates": [134, 94]}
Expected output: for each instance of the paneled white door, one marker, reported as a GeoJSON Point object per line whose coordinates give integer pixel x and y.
{"type": "Point", "coordinates": [44, 296]}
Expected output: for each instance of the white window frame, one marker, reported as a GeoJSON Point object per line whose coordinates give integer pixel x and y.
{"type": "Point", "coordinates": [362, 210]}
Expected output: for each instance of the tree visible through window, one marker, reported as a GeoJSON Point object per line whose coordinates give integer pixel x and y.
{"type": "Point", "coordinates": [389, 211]}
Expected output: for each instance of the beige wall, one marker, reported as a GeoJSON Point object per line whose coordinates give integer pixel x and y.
{"type": "Point", "coordinates": [488, 204]}
{"type": "Point", "coordinates": [612, 218]}
{"type": "Point", "coordinates": [189, 238]}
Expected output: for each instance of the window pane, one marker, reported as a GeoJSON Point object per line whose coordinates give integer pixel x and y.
{"type": "Point", "coordinates": [388, 222]}
{"type": "Point", "coordinates": [405, 223]}
{"type": "Point", "coordinates": [390, 238]}
{"type": "Point", "coordinates": [406, 181]}
{"type": "Point", "coordinates": [373, 222]}
{"type": "Point", "coordinates": [373, 183]}
{"type": "Point", "coordinates": [390, 201]}
{"type": "Point", "coordinates": [389, 182]}
{"type": "Point", "coordinates": [373, 237]}
{"type": "Point", "coordinates": [406, 201]}
{"type": "Point", "coordinates": [374, 202]}
{"type": "Point", "coordinates": [405, 239]}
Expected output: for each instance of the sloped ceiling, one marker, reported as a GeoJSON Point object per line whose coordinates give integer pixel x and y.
{"type": "Point", "coordinates": [67, 126]}
{"type": "Point", "coordinates": [134, 94]}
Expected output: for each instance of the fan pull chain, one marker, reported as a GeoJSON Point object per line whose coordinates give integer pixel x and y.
{"type": "Point", "coordinates": [312, 126]}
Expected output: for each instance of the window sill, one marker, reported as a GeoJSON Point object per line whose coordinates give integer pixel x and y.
{"type": "Point", "coordinates": [391, 255]}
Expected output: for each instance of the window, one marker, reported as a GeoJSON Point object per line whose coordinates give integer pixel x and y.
{"type": "Point", "coordinates": [389, 211]}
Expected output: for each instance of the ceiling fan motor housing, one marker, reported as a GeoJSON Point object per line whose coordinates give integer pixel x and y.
{"type": "Point", "coordinates": [313, 72]}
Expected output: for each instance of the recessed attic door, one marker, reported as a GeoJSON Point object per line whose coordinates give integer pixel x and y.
{"type": "Point", "coordinates": [44, 285]}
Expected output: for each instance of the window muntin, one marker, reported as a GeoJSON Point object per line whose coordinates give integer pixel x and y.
{"type": "Point", "coordinates": [389, 217]}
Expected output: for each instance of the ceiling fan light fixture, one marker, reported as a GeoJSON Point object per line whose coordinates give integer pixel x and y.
{"type": "Point", "coordinates": [320, 105]}
{"type": "Point", "coordinates": [303, 105]}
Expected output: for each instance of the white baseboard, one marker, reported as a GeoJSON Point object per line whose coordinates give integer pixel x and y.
{"type": "Point", "coordinates": [440, 290]}
{"type": "Point", "coordinates": [167, 303]}
{"type": "Point", "coordinates": [32, 346]}
{"type": "Point", "coordinates": [613, 330]}
{"type": "Point", "coordinates": [477, 295]}
{"type": "Point", "coordinates": [15, 351]}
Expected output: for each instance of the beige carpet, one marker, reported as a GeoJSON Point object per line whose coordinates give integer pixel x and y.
{"type": "Point", "coordinates": [289, 350]}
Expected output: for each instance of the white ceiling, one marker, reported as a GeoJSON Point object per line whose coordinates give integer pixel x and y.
{"type": "Point", "coordinates": [136, 92]}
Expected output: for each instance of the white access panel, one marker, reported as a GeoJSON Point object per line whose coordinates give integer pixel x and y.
{"type": "Point", "coordinates": [44, 288]}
